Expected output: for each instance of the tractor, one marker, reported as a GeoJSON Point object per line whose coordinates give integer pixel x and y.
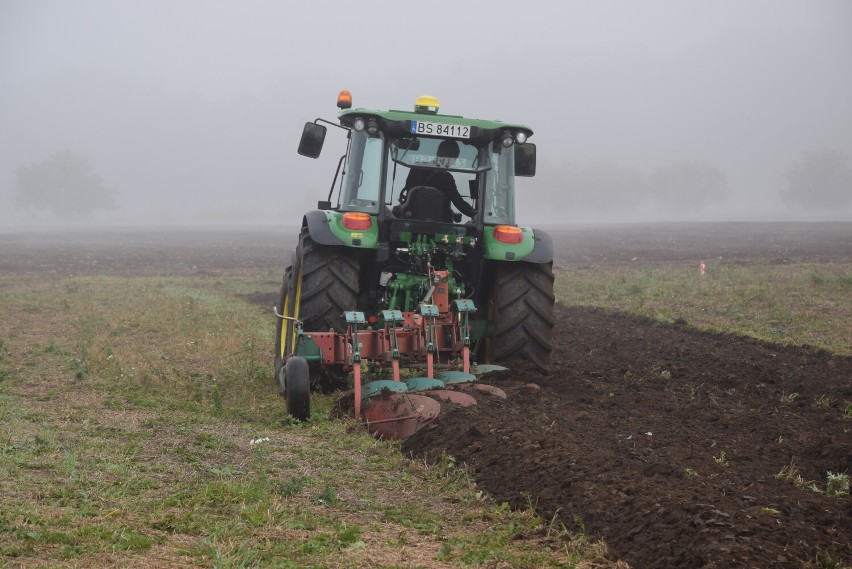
{"type": "Point", "coordinates": [416, 280]}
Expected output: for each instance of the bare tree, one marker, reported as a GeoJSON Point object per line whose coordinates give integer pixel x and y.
{"type": "Point", "coordinates": [820, 181]}
{"type": "Point", "coordinates": [64, 184]}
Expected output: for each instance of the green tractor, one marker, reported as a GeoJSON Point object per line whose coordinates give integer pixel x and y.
{"type": "Point", "coordinates": [419, 264]}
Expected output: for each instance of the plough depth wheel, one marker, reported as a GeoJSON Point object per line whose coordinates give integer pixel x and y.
{"type": "Point", "coordinates": [297, 388]}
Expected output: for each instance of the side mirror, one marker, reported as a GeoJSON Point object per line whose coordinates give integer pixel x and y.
{"type": "Point", "coordinates": [525, 159]}
{"type": "Point", "coordinates": [312, 139]}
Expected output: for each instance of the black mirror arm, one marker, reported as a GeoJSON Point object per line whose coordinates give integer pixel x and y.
{"type": "Point", "coordinates": [338, 125]}
{"type": "Point", "coordinates": [340, 162]}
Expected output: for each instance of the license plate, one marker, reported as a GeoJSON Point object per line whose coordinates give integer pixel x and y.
{"type": "Point", "coordinates": [440, 129]}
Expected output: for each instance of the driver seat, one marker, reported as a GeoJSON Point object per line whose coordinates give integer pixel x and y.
{"type": "Point", "coordinates": [426, 203]}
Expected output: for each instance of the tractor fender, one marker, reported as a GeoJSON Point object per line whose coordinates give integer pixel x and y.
{"type": "Point", "coordinates": [542, 250]}
{"type": "Point", "coordinates": [317, 223]}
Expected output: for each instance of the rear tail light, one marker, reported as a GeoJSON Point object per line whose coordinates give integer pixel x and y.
{"type": "Point", "coordinates": [357, 221]}
{"type": "Point", "coordinates": [508, 234]}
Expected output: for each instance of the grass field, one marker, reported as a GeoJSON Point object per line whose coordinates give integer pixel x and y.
{"type": "Point", "coordinates": [792, 303]}
{"type": "Point", "coordinates": [139, 426]}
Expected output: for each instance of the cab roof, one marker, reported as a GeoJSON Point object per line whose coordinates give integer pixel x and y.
{"type": "Point", "coordinates": [348, 116]}
{"type": "Point", "coordinates": [399, 122]}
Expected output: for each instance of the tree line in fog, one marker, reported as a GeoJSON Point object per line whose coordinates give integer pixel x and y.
{"type": "Point", "coordinates": [66, 185]}
{"type": "Point", "coordinates": [820, 181]}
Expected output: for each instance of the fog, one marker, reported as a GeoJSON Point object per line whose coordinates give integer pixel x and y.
{"type": "Point", "coordinates": [642, 111]}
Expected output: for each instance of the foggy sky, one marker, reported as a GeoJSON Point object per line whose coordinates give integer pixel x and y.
{"type": "Point", "coordinates": [193, 109]}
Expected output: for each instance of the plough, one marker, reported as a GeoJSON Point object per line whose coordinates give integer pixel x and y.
{"type": "Point", "coordinates": [434, 340]}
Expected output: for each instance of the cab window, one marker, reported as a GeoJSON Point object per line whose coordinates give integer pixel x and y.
{"type": "Point", "coordinates": [499, 203]}
{"type": "Point", "coordinates": [362, 182]}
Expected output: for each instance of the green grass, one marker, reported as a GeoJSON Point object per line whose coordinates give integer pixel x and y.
{"type": "Point", "coordinates": [799, 303]}
{"type": "Point", "coordinates": [128, 407]}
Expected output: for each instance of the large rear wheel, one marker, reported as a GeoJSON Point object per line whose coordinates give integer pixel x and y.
{"type": "Point", "coordinates": [328, 285]}
{"type": "Point", "coordinates": [522, 313]}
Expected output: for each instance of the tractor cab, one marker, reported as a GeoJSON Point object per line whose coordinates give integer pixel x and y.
{"type": "Point", "coordinates": [423, 166]}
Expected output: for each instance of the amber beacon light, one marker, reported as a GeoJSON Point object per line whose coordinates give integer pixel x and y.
{"type": "Point", "coordinates": [344, 100]}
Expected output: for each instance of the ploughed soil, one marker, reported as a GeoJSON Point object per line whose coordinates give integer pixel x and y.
{"type": "Point", "coordinates": [666, 441]}
{"type": "Point", "coordinates": [663, 440]}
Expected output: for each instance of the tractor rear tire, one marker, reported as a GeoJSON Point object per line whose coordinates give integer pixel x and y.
{"type": "Point", "coordinates": [298, 392]}
{"type": "Point", "coordinates": [328, 278]}
{"type": "Point", "coordinates": [523, 313]}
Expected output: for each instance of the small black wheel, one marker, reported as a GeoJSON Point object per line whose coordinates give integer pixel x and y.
{"type": "Point", "coordinates": [298, 388]}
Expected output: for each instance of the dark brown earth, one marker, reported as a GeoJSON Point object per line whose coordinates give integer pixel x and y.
{"type": "Point", "coordinates": [663, 440]}
{"type": "Point", "coordinates": [625, 439]}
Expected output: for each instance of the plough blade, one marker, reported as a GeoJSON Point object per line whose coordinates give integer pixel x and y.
{"type": "Point", "coordinates": [400, 415]}
{"type": "Point", "coordinates": [490, 389]}
{"type": "Point", "coordinates": [456, 397]}
{"type": "Point", "coordinates": [398, 409]}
